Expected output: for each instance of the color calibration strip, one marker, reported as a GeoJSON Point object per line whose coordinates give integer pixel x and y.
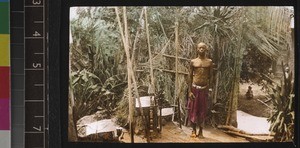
{"type": "Point", "coordinates": [5, 128]}
{"type": "Point", "coordinates": [17, 58]}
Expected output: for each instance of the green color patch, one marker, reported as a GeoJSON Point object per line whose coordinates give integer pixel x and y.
{"type": "Point", "coordinates": [4, 18]}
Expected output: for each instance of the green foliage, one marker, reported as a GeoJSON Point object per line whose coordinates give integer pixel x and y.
{"type": "Point", "coordinates": [95, 58]}
{"type": "Point", "coordinates": [266, 38]}
{"type": "Point", "coordinates": [84, 87]}
{"type": "Point", "coordinates": [90, 96]}
{"type": "Point", "coordinates": [283, 115]}
{"type": "Point", "coordinates": [254, 64]}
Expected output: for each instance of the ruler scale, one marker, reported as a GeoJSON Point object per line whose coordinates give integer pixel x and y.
{"type": "Point", "coordinates": [36, 102]}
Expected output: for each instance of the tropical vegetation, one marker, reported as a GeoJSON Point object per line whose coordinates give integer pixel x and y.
{"type": "Point", "coordinates": [244, 43]}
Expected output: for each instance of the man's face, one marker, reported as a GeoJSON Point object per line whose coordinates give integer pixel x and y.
{"type": "Point", "coordinates": [201, 48]}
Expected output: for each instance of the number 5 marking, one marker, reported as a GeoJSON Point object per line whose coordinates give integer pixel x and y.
{"type": "Point", "coordinates": [36, 2]}
{"type": "Point", "coordinates": [36, 65]}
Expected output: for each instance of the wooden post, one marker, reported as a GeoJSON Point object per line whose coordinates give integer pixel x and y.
{"type": "Point", "coordinates": [126, 45]}
{"type": "Point", "coordinates": [176, 74]}
{"type": "Point", "coordinates": [72, 128]}
{"type": "Point", "coordinates": [152, 89]}
{"type": "Point", "coordinates": [130, 72]}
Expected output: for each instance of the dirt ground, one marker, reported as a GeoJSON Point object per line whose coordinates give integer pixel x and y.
{"type": "Point", "coordinates": [254, 106]}
{"type": "Point", "coordinates": [252, 118]}
{"type": "Point", "coordinates": [252, 109]}
{"type": "Point", "coordinates": [171, 133]}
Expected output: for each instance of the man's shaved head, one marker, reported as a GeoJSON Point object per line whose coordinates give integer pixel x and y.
{"type": "Point", "coordinates": [201, 44]}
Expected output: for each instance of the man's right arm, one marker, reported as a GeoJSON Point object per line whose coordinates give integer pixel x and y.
{"type": "Point", "coordinates": [190, 83]}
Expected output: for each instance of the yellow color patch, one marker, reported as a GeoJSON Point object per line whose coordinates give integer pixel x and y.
{"type": "Point", "coordinates": [4, 50]}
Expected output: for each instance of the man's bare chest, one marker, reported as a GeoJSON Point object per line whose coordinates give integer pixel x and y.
{"type": "Point", "coordinates": [201, 64]}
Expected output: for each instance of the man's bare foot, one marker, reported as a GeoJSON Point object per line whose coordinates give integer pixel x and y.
{"type": "Point", "coordinates": [193, 135]}
{"type": "Point", "coordinates": [200, 136]}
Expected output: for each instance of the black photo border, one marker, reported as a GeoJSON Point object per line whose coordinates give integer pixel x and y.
{"type": "Point", "coordinates": [59, 68]}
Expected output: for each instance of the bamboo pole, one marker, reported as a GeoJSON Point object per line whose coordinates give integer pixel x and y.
{"type": "Point", "coordinates": [176, 74]}
{"type": "Point", "coordinates": [136, 38]}
{"type": "Point", "coordinates": [250, 138]}
{"type": "Point", "coordinates": [171, 71]}
{"type": "Point", "coordinates": [171, 56]}
{"type": "Point", "coordinates": [175, 100]}
{"type": "Point", "coordinates": [130, 72]}
{"type": "Point", "coordinates": [161, 25]}
{"type": "Point", "coordinates": [264, 103]}
{"type": "Point", "coordinates": [135, 84]}
{"type": "Point", "coordinates": [152, 87]}
{"type": "Point", "coordinates": [126, 46]}
{"type": "Point", "coordinates": [165, 70]}
{"type": "Point", "coordinates": [133, 74]}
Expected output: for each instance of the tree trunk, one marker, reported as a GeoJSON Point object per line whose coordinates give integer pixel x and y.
{"type": "Point", "coordinates": [233, 116]}
{"type": "Point", "coordinates": [72, 130]}
{"type": "Point", "coordinates": [236, 83]}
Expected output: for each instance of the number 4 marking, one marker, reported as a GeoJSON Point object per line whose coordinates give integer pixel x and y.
{"type": "Point", "coordinates": [36, 34]}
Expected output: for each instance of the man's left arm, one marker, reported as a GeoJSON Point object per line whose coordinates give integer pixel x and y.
{"type": "Point", "coordinates": [211, 76]}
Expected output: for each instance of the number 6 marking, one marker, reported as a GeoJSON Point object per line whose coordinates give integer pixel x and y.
{"type": "Point", "coordinates": [36, 2]}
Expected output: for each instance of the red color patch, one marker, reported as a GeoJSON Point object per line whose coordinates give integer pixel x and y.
{"type": "Point", "coordinates": [4, 82]}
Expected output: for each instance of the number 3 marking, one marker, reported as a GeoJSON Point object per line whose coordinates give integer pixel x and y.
{"type": "Point", "coordinates": [36, 2]}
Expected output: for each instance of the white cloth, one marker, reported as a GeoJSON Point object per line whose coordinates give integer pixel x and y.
{"type": "Point", "coordinates": [292, 23]}
{"type": "Point", "coordinates": [102, 126]}
{"type": "Point", "coordinates": [145, 101]}
{"type": "Point", "coordinates": [252, 124]}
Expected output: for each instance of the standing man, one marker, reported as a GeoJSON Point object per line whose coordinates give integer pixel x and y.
{"type": "Point", "coordinates": [200, 72]}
